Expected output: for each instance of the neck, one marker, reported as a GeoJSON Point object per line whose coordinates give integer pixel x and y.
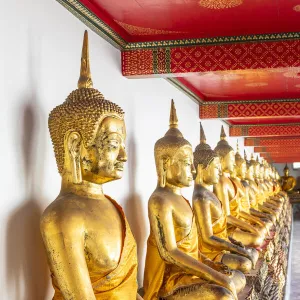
{"type": "Point", "coordinates": [173, 188]}
{"type": "Point", "coordinates": [226, 174]}
{"type": "Point", "coordinates": [83, 189]}
{"type": "Point", "coordinates": [208, 186]}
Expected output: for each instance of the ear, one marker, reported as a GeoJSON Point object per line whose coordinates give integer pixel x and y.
{"type": "Point", "coordinates": [199, 176]}
{"type": "Point", "coordinates": [163, 164]}
{"type": "Point", "coordinates": [73, 145]}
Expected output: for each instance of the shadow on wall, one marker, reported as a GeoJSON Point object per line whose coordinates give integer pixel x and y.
{"type": "Point", "coordinates": [27, 272]}
{"type": "Point", "coordinates": [133, 207]}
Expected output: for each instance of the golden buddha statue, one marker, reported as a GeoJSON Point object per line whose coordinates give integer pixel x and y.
{"type": "Point", "coordinates": [237, 176]}
{"type": "Point", "coordinates": [227, 192]}
{"type": "Point", "coordinates": [261, 179]}
{"type": "Point", "coordinates": [275, 199]}
{"type": "Point", "coordinates": [287, 182]}
{"type": "Point", "coordinates": [257, 186]}
{"type": "Point", "coordinates": [173, 268]}
{"type": "Point", "coordinates": [211, 219]}
{"type": "Point", "coordinates": [91, 250]}
{"type": "Point", "coordinates": [252, 189]}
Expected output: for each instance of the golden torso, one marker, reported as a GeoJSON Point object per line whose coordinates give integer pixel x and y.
{"type": "Point", "coordinates": [98, 224]}
{"type": "Point", "coordinates": [288, 183]}
{"type": "Point", "coordinates": [181, 211]}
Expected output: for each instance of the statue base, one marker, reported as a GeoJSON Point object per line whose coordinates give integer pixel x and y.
{"type": "Point", "coordinates": [268, 280]}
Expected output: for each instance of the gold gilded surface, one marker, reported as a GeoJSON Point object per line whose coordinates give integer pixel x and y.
{"type": "Point", "coordinates": [211, 219]}
{"type": "Point", "coordinates": [230, 197]}
{"type": "Point", "coordinates": [173, 267]}
{"type": "Point", "coordinates": [220, 4]}
{"type": "Point", "coordinates": [287, 182]}
{"type": "Point", "coordinates": [90, 247]}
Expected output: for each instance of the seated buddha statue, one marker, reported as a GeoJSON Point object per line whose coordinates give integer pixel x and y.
{"type": "Point", "coordinates": [287, 182]}
{"type": "Point", "coordinates": [173, 269]}
{"type": "Point", "coordinates": [274, 198]}
{"type": "Point", "coordinates": [91, 250]}
{"type": "Point", "coordinates": [266, 189]}
{"type": "Point", "coordinates": [213, 239]}
{"type": "Point", "coordinates": [252, 189]}
{"type": "Point", "coordinates": [227, 192]}
{"type": "Point", "coordinates": [256, 184]}
{"type": "Point", "coordinates": [237, 176]}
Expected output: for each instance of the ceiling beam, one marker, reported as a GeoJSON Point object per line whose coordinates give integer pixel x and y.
{"type": "Point", "coordinates": [265, 130]}
{"type": "Point", "coordinates": [273, 142]}
{"type": "Point", "coordinates": [182, 58]}
{"type": "Point", "coordinates": [278, 149]}
{"type": "Point", "coordinates": [250, 109]}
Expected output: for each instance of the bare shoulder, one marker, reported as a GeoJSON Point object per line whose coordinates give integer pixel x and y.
{"type": "Point", "coordinates": [201, 195]}
{"type": "Point", "coordinates": [63, 214]}
{"type": "Point", "coordinates": [159, 202]}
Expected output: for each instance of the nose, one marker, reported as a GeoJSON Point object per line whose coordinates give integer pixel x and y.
{"type": "Point", "coordinates": [193, 169]}
{"type": "Point", "coordinates": [122, 154]}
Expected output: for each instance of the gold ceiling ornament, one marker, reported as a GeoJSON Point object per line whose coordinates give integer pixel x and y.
{"type": "Point", "coordinates": [296, 8]}
{"type": "Point", "coordinates": [256, 84]}
{"type": "Point", "coordinates": [220, 4]}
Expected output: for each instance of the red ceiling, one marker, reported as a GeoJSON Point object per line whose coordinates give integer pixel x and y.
{"type": "Point", "coordinates": [245, 84]}
{"type": "Point", "coordinates": [159, 20]}
{"type": "Point", "coordinates": [151, 20]}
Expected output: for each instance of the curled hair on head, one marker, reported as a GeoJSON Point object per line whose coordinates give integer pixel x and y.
{"type": "Point", "coordinates": [203, 154]}
{"type": "Point", "coordinates": [223, 148]}
{"type": "Point", "coordinates": [83, 111]}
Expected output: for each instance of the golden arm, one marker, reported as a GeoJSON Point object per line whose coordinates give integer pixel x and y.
{"type": "Point", "coordinates": [203, 215]}
{"type": "Point", "coordinates": [224, 198]}
{"type": "Point", "coordinates": [65, 249]}
{"type": "Point", "coordinates": [161, 222]}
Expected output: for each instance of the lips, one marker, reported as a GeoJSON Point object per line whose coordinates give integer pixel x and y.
{"type": "Point", "coordinates": [119, 166]}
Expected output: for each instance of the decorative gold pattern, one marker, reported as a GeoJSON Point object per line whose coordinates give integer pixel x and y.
{"type": "Point", "coordinates": [220, 4]}
{"type": "Point", "coordinates": [256, 84]}
{"type": "Point", "coordinates": [137, 30]}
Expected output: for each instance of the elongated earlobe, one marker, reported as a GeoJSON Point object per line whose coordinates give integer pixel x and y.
{"type": "Point", "coordinates": [163, 165]}
{"type": "Point", "coordinates": [74, 142]}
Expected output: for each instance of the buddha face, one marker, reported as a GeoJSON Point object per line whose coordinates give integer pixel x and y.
{"type": "Point", "coordinates": [286, 172]}
{"type": "Point", "coordinates": [104, 161]}
{"type": "Point", "coordinates": [180, 169]}
{"type": "Point", "coordinates": [241, 170]}
{"type": "Point", "coordinates": [211, 174]}
{"type": "Point", "coordinates": [261, 172]}
{"type": "Point", "coordinates": [228, 162]}
{"type": "Point", "coordinates": [256, 170]}
{"type": "Point", "coordinates": [266, 173]}
{"type": "Point", "coordinates": [250, 172]}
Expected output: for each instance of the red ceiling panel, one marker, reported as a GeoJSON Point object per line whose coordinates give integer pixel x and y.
{"type": "Point", "coordinates": [151, 20]}
{"type": "Point", "coordinates": [245, 84]}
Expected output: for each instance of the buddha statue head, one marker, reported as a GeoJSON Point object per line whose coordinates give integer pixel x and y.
{"type": "Point", "coordinates": [88, 132]}
{"type": "Point", "coordinates": [225, 153]}
{"type": "Point", "coordinates": [174, 156]}
{"type": "Point", "coordinates": [206, 161]}
{"type": "Point", "coordinates": [256, 166]}
{"type": "Point", "coordinates": [266, 170]}
{"type": "Point", "coordinates": [261, 170]}
{"type": "Point", "coordinates": [240, 164]}
{"type": "Point", "coordinates": [286, 171]}
{"type": "Point", "coordinates": [249, 168]}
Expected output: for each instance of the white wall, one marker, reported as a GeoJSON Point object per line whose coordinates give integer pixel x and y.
{"type": "Point", "coordinates": [40, 57]}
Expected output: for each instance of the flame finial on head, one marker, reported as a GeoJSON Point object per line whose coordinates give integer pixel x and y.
{"type": "Point", "coordinates": [237, 146]}
{"type": "Point", "coordinates": [223, 134]}
{"type": "Point", "coordinates": [85, 79]}
{"type": "Point", "coordinates": [202, 135]}
{"type": "Point", "coordinates": [173, 116]}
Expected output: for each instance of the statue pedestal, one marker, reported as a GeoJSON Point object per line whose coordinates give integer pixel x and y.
{"type": "Point", "coordinates": [268, 280]}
